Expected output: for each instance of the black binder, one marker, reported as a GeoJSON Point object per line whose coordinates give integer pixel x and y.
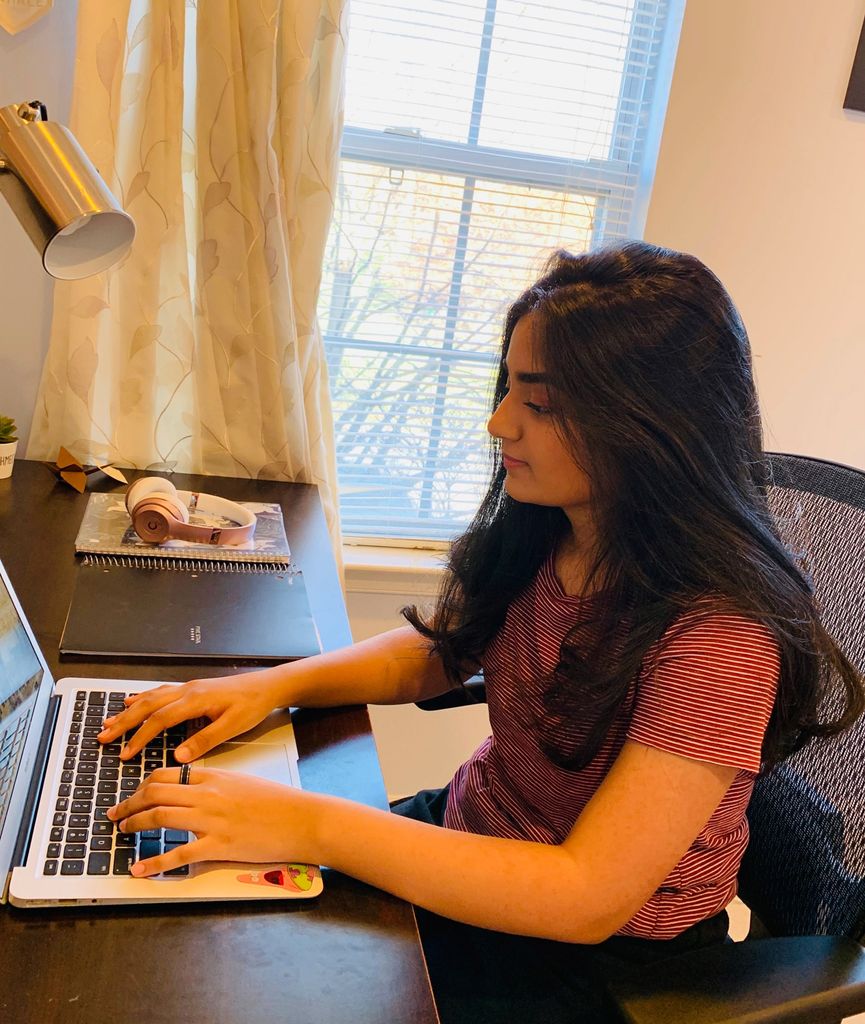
{"type": "Point", "coordinates": [191, 608]}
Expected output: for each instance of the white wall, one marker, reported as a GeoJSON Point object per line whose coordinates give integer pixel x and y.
{"type": "Point", "coordinates": [760, 174]}
{"type": "Point", "coordinates": [35, 64]}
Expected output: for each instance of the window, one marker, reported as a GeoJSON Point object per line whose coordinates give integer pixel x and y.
{"type": "Point", "coordinates": [479, 136]}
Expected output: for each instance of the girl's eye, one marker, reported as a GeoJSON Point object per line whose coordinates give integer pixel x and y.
{"type": "Point", "coordinates": [541, 410]}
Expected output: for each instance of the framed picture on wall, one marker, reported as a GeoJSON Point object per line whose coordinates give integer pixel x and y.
{"type": "Point", "coordinates": [855, 98]}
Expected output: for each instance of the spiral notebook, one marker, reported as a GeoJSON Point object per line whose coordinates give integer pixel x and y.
{"type": "Point", "coordinates": [174, 601]}
{"type": "Point", "coordinates": [189, 608]}
{"type": "Point", "coordinates": [106, 529]}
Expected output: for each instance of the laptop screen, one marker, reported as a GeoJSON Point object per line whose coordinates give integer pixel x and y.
{"type": "Point", "coordinates": [20, 675]}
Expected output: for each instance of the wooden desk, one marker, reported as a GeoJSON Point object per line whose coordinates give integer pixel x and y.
{"type": "Point", "coordinates": [353, 955]}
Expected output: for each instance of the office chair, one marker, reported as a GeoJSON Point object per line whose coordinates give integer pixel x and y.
{"type": "Point", "coordinates": [803, 874]}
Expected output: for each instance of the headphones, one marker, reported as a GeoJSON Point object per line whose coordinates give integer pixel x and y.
{"type": "Point", "coordinates": [160, 512]}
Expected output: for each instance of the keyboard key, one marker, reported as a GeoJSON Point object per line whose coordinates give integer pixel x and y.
{"type": "Point", "coordinates": [76, 835]}
{"type": "Point", "coordinates": [92, 731]}
{"type": "Point", "coordinates": [59, 818]}
{"type": "Point", "coordinates": [175, 837]}
{"type": "Point", "coordinates": [111, 761]}
{"type": "Point", "coordinates": [80, 694]}
{"type": "Point", "coordinates": [74, 851]}
{"type": "Point", "coordinates": [54, 849]}
{"type": "Point", "coordinates": [151, 765]}
{"type": "Point", "coordinates": [100, 815]}
{"type": "Point", "coordinates": [62, 804]}
{"type": "Point", "coordinates": [106, 787]}
{"type": "Point", "coordinates": [79, 820]}
{"type": "Point", "coordinates": [89, 755]}
{"type": "Point", "coordinates": [72, 752]}
{"type": "Point", "coordinates": [131, 771]}
{"type": "Point", "coordinates": [77, 716]}
{"type": "Point", "coordinates": [183, 869]}
{"type": "Point", "coordinates": [69, 764]}
{"type": "Point", "coordinates": [117, 696]}
{"type": "Point", "coordinates": [85, 779]}
{"type": "Point", "coordinates": [81, 806]}
{"type": "Point", "coordinates": [74, 732]}
{"type": "Point", "coordinates": [127, 785]}
{"type": "Point", "coordinates": [109, 774]}
{"type": "Point", "coordinates": [96, 697]}
{"type": "Point", "coordinates": [79, 705]}
{"type": "Point", "coordinates": [124, 839]}
{"type": "Point", "coordinates": [100, 843]}
{"type": "Point", "coordinates": [57, 834]}
{"type": "Point", "coordinates": [93, 720]}
{"type": "Point", "coordinates": [103, 828]}
{"type": "Point", "coordinates": [123, 861]}
{"type": "Point", "coordinates": [149, 848]}
{"type": "Point", "coordinates": [151, 833]}
{"type": "Point", "coordinates": [89, 743]}
{"type": "Point", "coordinates": [111, 748]}
{"type": "Point", "coordinates": [50, 867]}
{"type": "Point", "coordinates": [65, 790]}
{"type": "Point", "coordinates": [81, 793]}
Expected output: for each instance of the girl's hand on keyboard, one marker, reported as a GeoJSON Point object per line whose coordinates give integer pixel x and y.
{"type": "Point", "coordinates": [234, 817]}
{"type": "Point", "coordinates": [232, 703]}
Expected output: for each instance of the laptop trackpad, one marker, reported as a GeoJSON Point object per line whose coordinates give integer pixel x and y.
{"type": "Point", "coordinates": [266, 760]}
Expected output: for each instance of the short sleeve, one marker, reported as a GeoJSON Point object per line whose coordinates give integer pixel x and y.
{"type": "Point", "coordinates": [708, 691]}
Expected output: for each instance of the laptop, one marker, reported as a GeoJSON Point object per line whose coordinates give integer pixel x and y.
{"type": "Point", "coordinates": [57, 847]}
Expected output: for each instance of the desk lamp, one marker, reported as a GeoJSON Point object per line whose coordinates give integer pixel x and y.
{"type": "Point", "coordinates": [56, 193]}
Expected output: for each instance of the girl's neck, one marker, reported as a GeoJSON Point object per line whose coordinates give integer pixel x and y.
{"type": "Point", "coordinates": [574, 557]}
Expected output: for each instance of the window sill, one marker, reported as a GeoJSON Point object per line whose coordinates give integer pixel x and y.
{"type": "Point", "coordinates": [392, 570]}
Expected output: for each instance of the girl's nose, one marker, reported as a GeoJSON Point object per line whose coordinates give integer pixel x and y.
{"type": "Point", "coordinates": [502, 424]}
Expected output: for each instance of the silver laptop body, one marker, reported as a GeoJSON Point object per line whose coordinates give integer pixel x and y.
{"type": "Point", "coordinates": [56, 846]}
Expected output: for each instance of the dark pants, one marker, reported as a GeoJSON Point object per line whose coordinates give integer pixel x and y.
{"type": "Point", "coordinates": [486, 977]}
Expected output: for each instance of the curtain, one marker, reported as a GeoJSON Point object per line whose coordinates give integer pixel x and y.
{"type": "Point", "coordinates": [218, 126]}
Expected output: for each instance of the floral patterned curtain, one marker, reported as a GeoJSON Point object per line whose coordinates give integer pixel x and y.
{"type": "Point", "coordinates": [218, 127]}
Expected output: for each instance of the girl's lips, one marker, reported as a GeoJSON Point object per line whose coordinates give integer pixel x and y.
{"type": "Point", "coordinates": [511, 463]}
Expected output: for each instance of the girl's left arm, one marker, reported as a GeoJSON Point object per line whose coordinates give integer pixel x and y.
{"type": "Point", "coordinates": [632, 833]}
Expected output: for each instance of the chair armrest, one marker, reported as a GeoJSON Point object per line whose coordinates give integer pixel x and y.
{"type": "Point", "coordinates": [473, 691]}
{"type": "Point", "coordinates": [809, 979]}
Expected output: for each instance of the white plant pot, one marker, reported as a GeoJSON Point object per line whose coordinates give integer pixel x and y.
{"type": "Point", "coordinates": [7, 458]}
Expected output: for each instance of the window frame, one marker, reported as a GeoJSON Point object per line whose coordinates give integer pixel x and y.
{"type": "Point", "coordinates": [619, 177]}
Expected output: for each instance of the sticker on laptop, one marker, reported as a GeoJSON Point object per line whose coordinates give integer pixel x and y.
{"type": "Point", "coordinates": [294, 877]}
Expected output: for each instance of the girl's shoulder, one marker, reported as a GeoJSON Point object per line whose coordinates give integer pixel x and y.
{"type": "Point", "coordinates": [708, 689]}
{"type": "Point", "coordinates": [714, 621]}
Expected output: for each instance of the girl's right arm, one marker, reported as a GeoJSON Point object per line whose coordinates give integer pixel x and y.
{"type": "Point", "coordinates": [392, 668]}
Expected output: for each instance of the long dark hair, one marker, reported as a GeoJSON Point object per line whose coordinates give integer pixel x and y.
{"type": "Point", "coordinates": [653, 381]}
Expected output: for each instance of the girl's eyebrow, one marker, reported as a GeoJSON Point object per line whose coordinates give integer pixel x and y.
{"type": "Point", "coordinates": [532, 378]}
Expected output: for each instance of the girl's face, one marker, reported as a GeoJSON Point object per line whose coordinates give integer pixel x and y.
{"type": "Point", "coordinates": [540, 468]}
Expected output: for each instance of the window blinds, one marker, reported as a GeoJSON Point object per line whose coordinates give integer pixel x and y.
{"type": "Point", "coordinates": [479, 136]}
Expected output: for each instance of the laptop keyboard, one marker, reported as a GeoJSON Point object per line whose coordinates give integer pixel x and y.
{"type": "Point", "coordinates": [83, 840]}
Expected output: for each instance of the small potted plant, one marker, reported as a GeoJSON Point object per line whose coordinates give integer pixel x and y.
{"type": "Point", "coordinates": [8, 445]}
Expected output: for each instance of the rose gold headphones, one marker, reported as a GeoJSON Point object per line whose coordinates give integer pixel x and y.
{"type": "Point", "coordinates": [160, 512]}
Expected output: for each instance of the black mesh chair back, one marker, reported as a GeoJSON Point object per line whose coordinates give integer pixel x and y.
{"type": "Point", "coordinates": [804, 869]}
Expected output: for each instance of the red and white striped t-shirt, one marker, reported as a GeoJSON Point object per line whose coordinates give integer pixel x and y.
{"type": "Point", "coordinates": [705, 691]}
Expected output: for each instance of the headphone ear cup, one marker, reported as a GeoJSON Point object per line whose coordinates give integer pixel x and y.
{"type": "Point", "coordinates": [146, 486]}
{"type": "Point", "coordinates": [152, 518]}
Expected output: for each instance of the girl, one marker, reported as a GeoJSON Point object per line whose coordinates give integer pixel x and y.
{"type": "Point", "coordinates": [648, 645]}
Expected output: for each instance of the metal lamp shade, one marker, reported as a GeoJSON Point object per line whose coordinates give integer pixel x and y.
{"type": "Point", "coordinates": [60, 199]}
